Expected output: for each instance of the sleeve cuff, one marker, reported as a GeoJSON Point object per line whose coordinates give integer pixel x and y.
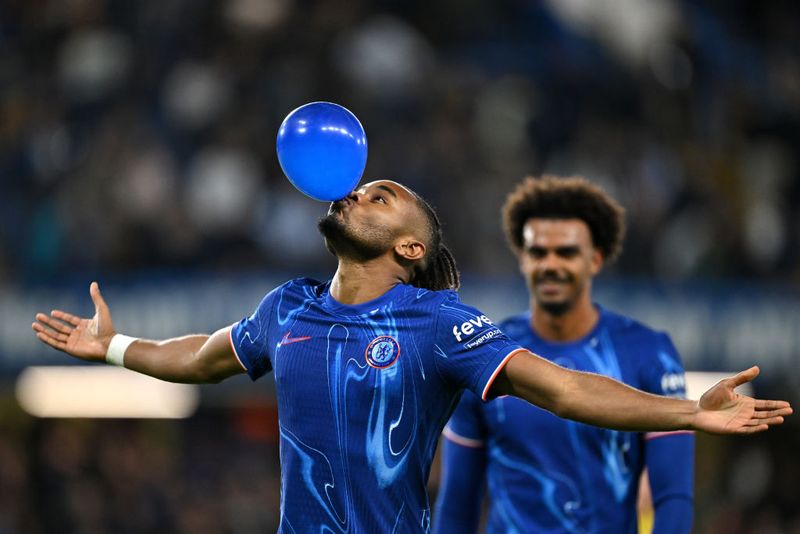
{"type": "Point", "coordinates": [461, 440]}
{"type": "Point", "coordinates": [233, 348]}
{"type": "Point", "coordinates": [653, 435]}
{"type": "Point", "coordinates": [496, 371]}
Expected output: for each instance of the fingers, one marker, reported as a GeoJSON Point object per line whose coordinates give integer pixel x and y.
{"type": "Point", "coordinates": [760, 425]}
{"type": "Point", "coordinates": [74, 320]}
{"type": "Point", "coordinates": [776, 420]}
{"type": "Point", "coordinates": [59, 336]}
{"type": "Point", "coordinates": [762, 420]}
{"type": "Point", "coordinates": [54, 332]}
{"type": "Point", "coordinates": [58, 326]}
{"type": "Point", "coordinates": [764, 414]}
{"type": "Point", "coordinates": [772, 405]}
{"type": "Point", "coordinates": [745, 376]}
{"type": "Point", "coordinates": [47, 339]}
{"type": "Point", "coordinates": [97, 298]}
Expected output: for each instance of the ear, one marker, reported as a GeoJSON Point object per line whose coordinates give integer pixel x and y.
{"type": "Point", "coordinates": [410, 249]}
{"type": "Point", "coordinates": [597, 261]}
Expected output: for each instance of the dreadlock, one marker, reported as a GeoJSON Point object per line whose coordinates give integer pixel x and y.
{"type": "Point", "coordinates": [438, 269]}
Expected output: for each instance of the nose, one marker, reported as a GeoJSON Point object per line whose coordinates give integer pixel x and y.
{"type": "Point", "coordinates": [549, 262]}
{"type": "Point", "coordinates": [354, 196]}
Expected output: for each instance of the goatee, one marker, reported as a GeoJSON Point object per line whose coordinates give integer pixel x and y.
{"type": "Point", "coordinates": [556, 308]}
{"type": "Point", "coordinates": [342, 241]}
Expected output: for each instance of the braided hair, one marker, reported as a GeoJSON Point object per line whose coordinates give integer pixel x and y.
{"type": "Point", "coordinates": [437, 270]}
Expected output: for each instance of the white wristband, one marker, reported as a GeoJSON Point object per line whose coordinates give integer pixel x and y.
{"type": "Point", "coordinates": [115, 354]}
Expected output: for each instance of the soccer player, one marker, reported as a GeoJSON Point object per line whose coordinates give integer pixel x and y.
{"type": "Point", "coordinates": [369, 365]}
{"type": "Point", "coordinates": [547, 474]}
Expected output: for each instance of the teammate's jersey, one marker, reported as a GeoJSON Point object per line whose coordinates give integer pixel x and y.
{"type": "Point", "coordinates": [547, 474]}
{"type": "Point", "coordinates": [363, 394]}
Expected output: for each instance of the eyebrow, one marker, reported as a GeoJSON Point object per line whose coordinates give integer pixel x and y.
{"type": "Point", "coordinates": [387, 189]}
{"type": "Point", "coordinates": [560, 250]}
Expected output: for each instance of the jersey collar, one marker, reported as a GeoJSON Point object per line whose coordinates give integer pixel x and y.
{"type": "Point", "coordinates": [332, 305]}
{"type": "Point", "coordinates": [580, 341]}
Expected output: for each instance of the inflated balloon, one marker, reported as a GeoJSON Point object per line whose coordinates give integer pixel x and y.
{"type": "Point", "coordinates": [322, 149]}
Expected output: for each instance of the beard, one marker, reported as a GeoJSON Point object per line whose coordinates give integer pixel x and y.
{"type": "Point", "coordinates": [556, 309]}
{"type": "Point", "coordinates": [347, 241]}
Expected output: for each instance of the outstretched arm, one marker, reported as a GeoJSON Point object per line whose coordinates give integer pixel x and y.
{"type": "Point", "coordinates": [189, 359]}
{"type": "Point", "coordinates": [602, 401]}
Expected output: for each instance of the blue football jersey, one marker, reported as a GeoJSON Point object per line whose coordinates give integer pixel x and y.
{"type": "Point", "coordinates": [363, 394]}
{"type": "Point", "coordinates": [552, 475]}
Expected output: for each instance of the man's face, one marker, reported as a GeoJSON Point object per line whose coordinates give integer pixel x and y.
{"type": "Point", "coordinates": [366, 223]}
{"type": "Point", "coordinates": [558, 261]}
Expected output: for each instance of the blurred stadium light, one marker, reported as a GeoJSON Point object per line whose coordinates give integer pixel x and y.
{"type": "Point", "coordinates": [108, 392]}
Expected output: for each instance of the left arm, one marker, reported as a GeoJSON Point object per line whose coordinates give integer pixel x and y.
{"type": "Point", "coordinates": [602, 401]}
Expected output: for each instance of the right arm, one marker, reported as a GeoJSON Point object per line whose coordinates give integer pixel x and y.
{"type": "Point", "coordinates": [187, 359]}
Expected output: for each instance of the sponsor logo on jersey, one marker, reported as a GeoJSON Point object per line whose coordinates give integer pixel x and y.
{"type": "Point", "coordinates": [494, 332]}
{"type": "Point", "coordinates": [467, 328]}
{"type": "Point", "coordinates": [382, 352]}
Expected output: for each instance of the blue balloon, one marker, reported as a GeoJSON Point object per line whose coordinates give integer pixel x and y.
{"type": "Point", "coordinates": [322, 149]}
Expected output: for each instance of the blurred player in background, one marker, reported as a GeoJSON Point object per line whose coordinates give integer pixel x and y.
{"type": "Point", "coordinates": [547, 474]}
{"type": "Point", "coordinates": [369, 365]}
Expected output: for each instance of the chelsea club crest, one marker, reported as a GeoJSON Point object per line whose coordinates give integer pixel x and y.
{"type": "Point", "coordinates": [382, 352]}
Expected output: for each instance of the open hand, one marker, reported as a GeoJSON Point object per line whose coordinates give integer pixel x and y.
{"type": "Point", "coordinates": [723, 411]}
{"type": "Point", "coordinates": [87, 339]}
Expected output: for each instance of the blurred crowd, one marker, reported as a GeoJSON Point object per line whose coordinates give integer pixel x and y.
{"type": "Point", "coordinates": [141, 134]}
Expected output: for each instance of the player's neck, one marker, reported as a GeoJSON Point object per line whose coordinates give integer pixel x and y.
{"type": "Point", "coordinates": [572, 325]}
{"type": "Point", "coordinates": [357, 281]}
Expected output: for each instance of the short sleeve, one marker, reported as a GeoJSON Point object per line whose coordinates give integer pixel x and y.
{"type": "Point", "coordinates": [663, 373]}
{"type": "Point", "coordinates": [466, 426]}
{"type": "Point", "coordinates": [250, 338]}
{"type": "Point", "coordinates": [469, 349]}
